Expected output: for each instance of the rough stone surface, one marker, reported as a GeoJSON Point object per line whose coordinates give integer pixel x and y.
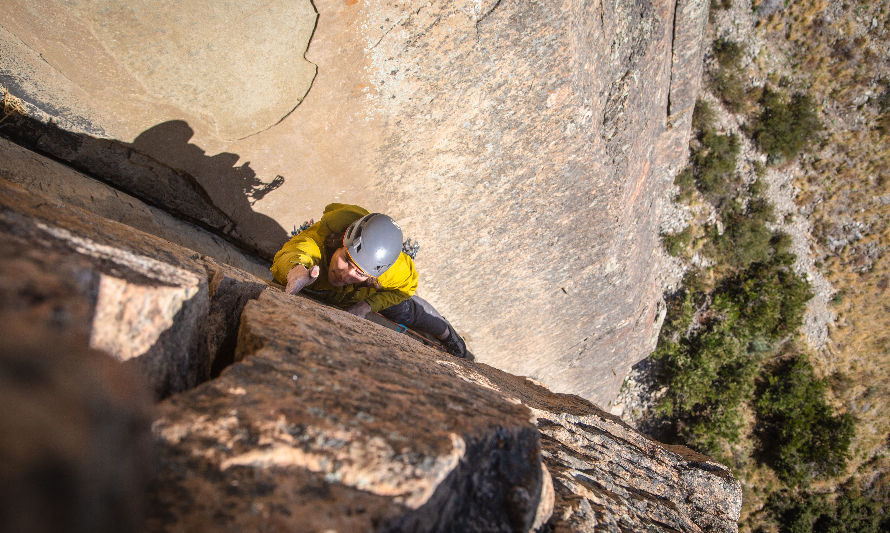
{"type": "Point", "coordinates": [164, 310]}
{"type": "Point", "coordinates": [527, 146]}
{"type": "Point", "coordinates": [540, 139]}
{"type": "Point", "coordinates": [350, 412]}
{"type": "Point", "coordinates": [40, 174]}
{"type": "Point", "coordinates": [609, 477]}
{"type": "Point", "coordinates": [74, 425]}
{"type": "Point", "coordinates": [342, 402]}
{"type": "Point", "coordinates": [314, 419]}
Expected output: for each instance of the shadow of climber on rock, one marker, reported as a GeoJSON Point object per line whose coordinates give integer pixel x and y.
{"type": "Point", "coordinates": [233, 189]}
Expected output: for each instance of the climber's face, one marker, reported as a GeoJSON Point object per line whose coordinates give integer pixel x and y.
{"type": "Point", "coordinates": [342, 271]}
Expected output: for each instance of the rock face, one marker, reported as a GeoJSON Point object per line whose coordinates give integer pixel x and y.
{"type": "Point", "coordinates": [527, 145]}
{"type": "Point", "coordinates": [280, 413]}
{"type": "Point", "coordinates": [337, 402]}
{"type": "Point", "coordinates": [170, 58]}
{"type": "Point", "coordinates": [531, 148]}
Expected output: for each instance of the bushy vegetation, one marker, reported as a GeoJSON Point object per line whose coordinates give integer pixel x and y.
{"type": "Point", "coordinates": [714, 162]}
{"type": "Point", "coordinates": [746, 238]}
{"type": "Point", "coordinates": [785, 125]}
{"type": "Point", "coordinates": [806, 512]}
{"type": "Point", "coordinates": [712, 159]}
{"type": "Point", "coordinates": [727, 80]}
{"type": "Point", "coordinates": [787, 433]}
{"type": "Point", "coordinates": [713, 345]}
{"type": "Point", "coordinates": [720, 4]}
{"type": "Point", "coordinates": [801, 439]}
{"type": "Point", "coordinates": [676, 243]}
{"type": "Point", "coordinates": [728, 53]}
{"type": "Point", "coordinates": [726, 327]}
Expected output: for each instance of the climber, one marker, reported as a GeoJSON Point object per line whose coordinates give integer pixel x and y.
{"type": "Point", "coordinates": [353, 259]}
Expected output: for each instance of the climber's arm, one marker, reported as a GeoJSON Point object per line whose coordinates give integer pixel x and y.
{"type": "Point", "coordinates": [299, 277]}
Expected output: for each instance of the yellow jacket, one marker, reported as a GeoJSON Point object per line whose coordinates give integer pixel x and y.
{"type": "Point", "coordinates": [307, 248]}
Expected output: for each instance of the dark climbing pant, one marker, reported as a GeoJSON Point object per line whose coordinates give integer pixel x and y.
{"type": "Point", "coordinates": [418, 314]}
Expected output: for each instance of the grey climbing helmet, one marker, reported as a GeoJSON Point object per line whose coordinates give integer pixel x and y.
{"type": "Point", "coordinates": [373, 243]}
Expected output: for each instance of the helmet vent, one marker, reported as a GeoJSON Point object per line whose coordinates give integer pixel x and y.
{"type": "Point", "coordinates": [358, 247]}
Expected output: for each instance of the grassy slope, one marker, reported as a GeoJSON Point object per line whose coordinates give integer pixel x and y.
{"type": "Point", "coordinates": [839, 50]}
{"type": "Point", "coordinates": [838, 53]}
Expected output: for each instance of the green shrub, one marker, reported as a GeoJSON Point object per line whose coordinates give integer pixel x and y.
{"type": "Point", "coordinates": [685, 181]}
{"type": "Point", "coordinates": [728, 53]}
{"type": "Point", "coordinates": [710, 375]}
{"type": "Point", "coordinates": [771, 298]}
{"type": "Point", "coordinates": [727, 80]}
{"type": "Point", "coordinates": [728, 85]}
{"type": "Point", "coordinates": [785, 127]}
{"type": "Point", "coordinates": [714, 162]}
{"type": "Point", "coordinates": [703, 117]}
{"type": "Point", "coordinates": [800, 438]}
{"type": "Point", "coordinates": [838, 297]}
{"type": "Point", "coordinates": [680, 310]}
{"type": "Point", "coordinates": [676, 243]}
{"type": "Point", "coordinates": [807, 512]}
{"type": "Point", "coordinates": [710, 370]}
{"type": "Point", "coordinates": [746, 238]}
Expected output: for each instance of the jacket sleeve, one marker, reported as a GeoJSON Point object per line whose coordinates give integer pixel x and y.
{"type": "Point", "coordinates": [300, 250]}
{"type": "Point", "coordinates": [399, 284]}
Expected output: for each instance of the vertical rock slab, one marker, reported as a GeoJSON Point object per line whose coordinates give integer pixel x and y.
{"type": "Point", "coordinates": [332, 421]}
{"type": "Point", "coordinates": [527, 145]}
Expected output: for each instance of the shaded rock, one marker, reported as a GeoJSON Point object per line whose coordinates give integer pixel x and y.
{"type": "Point", "coordinates": [230, 290]}
{"type": "Point", "coordinates": [74, 426]}
{"type": "Point", "coordinates": [123, 167]}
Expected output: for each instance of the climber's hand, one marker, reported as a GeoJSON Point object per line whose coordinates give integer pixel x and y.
{"type": "Point", "coordinates": [298, 277]}
{"type": "Point", "coordinates": [360, 309]}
